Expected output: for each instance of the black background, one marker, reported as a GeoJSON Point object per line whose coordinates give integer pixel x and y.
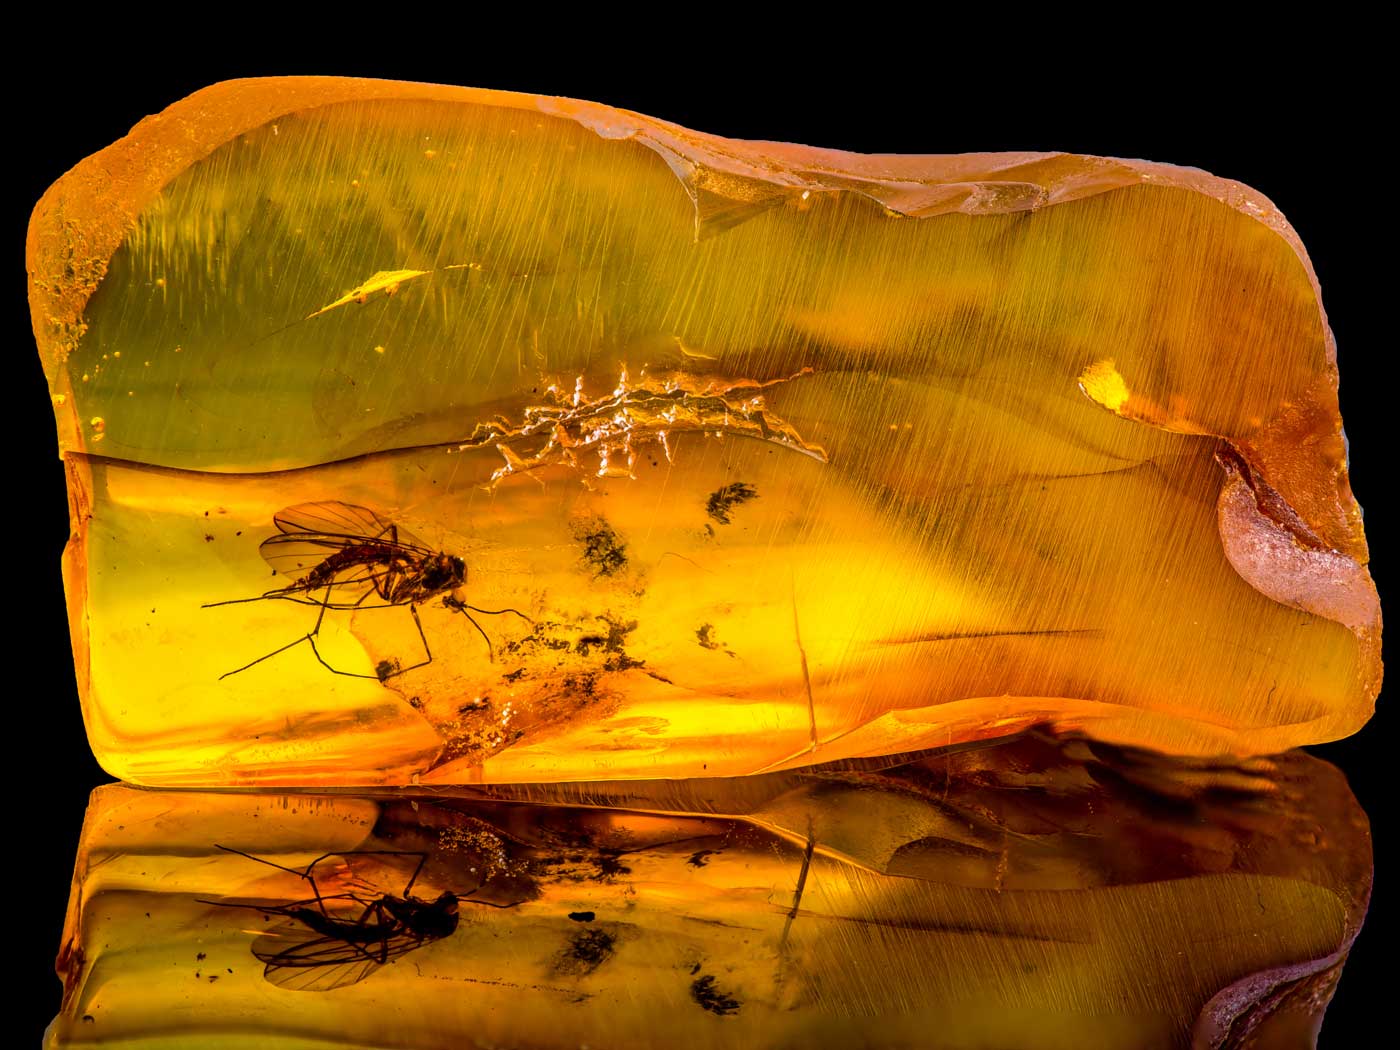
{"type": "Point", "coordinates": [1307, 137]}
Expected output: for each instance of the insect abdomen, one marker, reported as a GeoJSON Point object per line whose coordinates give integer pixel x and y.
{"type": "Point", "coordinates": [363, 554]}
{"type": "Point", "coordinates": [343, 930]}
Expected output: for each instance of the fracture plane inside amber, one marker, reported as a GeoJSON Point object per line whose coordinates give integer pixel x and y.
{"type": "Point", "coordinates": [1038, 892]}
{"type": "Point", "coordinates": [434, 433]}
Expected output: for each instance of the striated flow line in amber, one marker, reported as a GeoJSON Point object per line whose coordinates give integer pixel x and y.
{"type": "Point", "coordinates": [451, 435]}
{"type": "Point", "coordinates": [1044, 892]}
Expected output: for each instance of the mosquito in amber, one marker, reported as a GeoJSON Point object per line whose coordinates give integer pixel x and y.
{"type": "Point", "coordinates": [340, 556]}
{"type": "Point", "coordinates": [330, 940]}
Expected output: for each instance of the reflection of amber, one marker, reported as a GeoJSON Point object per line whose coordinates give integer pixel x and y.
{"type": "Point", "coordinates": [1034, 892]}
{"type": "Point", "coordinates": [788, 456]}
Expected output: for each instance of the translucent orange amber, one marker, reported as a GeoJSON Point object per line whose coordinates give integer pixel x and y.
{"type": "Point", "coordinates": [1034, 893]}
{"type": "Point", "coordinates": [700, 457]}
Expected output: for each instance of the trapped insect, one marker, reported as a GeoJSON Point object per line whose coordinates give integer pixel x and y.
{"type": "Point", "coordinates": [330, 940]}
{"type": "Point", "coordinates": [339, 556]}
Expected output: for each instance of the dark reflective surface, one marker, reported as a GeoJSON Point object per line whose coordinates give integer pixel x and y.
{"type": "Point", "coordinates": [1034, 892]}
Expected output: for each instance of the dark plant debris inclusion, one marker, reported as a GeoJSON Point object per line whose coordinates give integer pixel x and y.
{"type": "Point", "coordinates": [724, 499]}
{"type": "Point", "coordinates": [709, 997]}
{"type": "Point", "coordinates": [603, 550]}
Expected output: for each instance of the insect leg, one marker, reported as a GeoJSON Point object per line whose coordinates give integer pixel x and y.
{"type": "Point", "coordinates": [311, 637]}
{"type": "Point", "coordinates": [488, 904]}
{"type": "Point", "coordinates": [316, 890]}
{"type": "Point", "coordinates": [242, 601]}
{"type": "Point", "coordinates": [413, 610]}
{"type": "Point", "coordinates": [305, 874]}
{"type": "Point", "coordinates": [384, 919]}
{"type": "Point", "coordinates": [371, 908]}
{"type": "Point", "coordinates": [320, 616]}
{"type": "Point", "coordinates": [260, 860]}
{"type": "Point", "coordinates": [230, 904]}
{"type": "Point", "coordinates": [320, 903]}
{"type": "Point", "coordinates": [268, 656]}
{"type": "Point", "coordinates": [461, 608]}
{"type": "Point", "coordinates": [498, 612]}
{"type": "Point", "coordinates": [418, 868]}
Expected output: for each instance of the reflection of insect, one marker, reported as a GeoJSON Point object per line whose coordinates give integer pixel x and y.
{"type": "Point", "coordinates": [331, 940]}
{"type": "Point", "coordinates": [339, 556]}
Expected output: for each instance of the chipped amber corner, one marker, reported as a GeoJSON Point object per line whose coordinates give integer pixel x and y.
{"type": "Point", "coordinates": [436, 435]}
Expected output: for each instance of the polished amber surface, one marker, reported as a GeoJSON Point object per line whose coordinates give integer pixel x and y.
{"type": "Point", "coordinates": [753, 455]}
{"type": "Point", "coordinates": [1036, 892]}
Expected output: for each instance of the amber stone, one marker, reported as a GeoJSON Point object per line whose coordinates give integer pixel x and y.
{"type": "Point", "coordinates": [1039, 892]}
{"type": "Point", "coordinates": [752, 455]}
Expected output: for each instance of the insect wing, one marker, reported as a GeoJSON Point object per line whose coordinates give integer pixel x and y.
{"type": "Point", "coordinates": [297, 554]}
{"type": "Point", "coordinates": [361, 876]}
{"type": "Point", "coordinates": [299, 960]}
{"type": "Point", "coordinates": [309, 533]}
{"type": "Point", "coordinates": [333, 518]}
